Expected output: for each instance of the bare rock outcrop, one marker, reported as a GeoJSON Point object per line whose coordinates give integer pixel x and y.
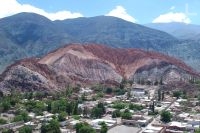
{"type": "Point", "coordinates": [87, 64]}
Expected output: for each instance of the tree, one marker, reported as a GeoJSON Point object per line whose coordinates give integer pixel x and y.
{"type": "Point", "coordinates": [159, 95]}
{"type": "Point", "coordinates": [135, 107]}
{"type": "Point", "coordinates": [163, 95]}
{"type": "Point", "coordinates": [25, 129]}
{"type": "Point", "coordinates": [128, 94]}
{"type": "Point", "coordinates": [1, 94]}
{"type": "Point", "coordinates": [75, 108]}
{"type": "Point", "coordinates": [39, 107]}
{"type": "Point", "coordinates": [108, 90]}
{"type": "Point", "coordinates": [51, 127]}
{"type": "Point", "coordinates": [161, 81]}
{"type": "Point", "coordinates": [62, 116]}
{"type": "Point", "coordinates": [176, 94]}
{"type": "Point", "coordinates": [166, 116]}
{"type": "Point", "coordinates": [104, 128]}
{"type": "Point", "coordinates": [2, 121]}
{"type": "Point", "coordinates": [116, 113]}
{"type": "Point", "coordinates": [197, 130]}
{"type": "Point", "coordinates": [22, 116]}
{"type": "Point", "coordinates": [122, 84]}
{"type": "Point", "coordinates": [126, 115]}
{"type": "Point", "coordinates": [96, 112]}
{"type": "Point", "coordinates": [5, 106]}
{"type": "Point", "coordinates": [84, 128]}
{"type": "Point", "coordinates": [7, 131]}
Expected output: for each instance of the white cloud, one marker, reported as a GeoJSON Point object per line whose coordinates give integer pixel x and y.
{"type": "Point", "coordinates": [172, 17]}
{"type": "Point", "coordinates": [11, 7]}
{"type": "Point", "coordinates": [120, 12]}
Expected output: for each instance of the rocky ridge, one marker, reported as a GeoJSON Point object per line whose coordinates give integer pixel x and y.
{"type": "Point", "coordinates": [90, 63]}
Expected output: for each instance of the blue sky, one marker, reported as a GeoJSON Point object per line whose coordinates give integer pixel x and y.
{"type": "Point", "coordinates": [138, 11]}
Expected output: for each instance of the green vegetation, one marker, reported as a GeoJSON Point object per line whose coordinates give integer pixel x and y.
{"type": "Point", "coordinates": [51, 127]}
{"type": "Point", "coordinates": [62, 116]}
{"type": "Point", "coordinates": [84, 128]}
{"type": "Point", "coordinates": [177, 94]}
{"type": "Point", "coordinates": [22, 116]}
{"type": "Point", "coordinates": [98, 111]}
{"type": "Point", "coordinates": [197, 130]}
{"type": "Point", "coordinates": [126, 115]}
{"type": "Point", "coordinates": [166, 116]}
{"type": "Point", "coordinates": [104, 128]}
{"type": "Point", "coordinates": [123, 105]}
{"type": "Point", "coordinates": [119, 91]}
{"type": "Point", "coordinates": [135, 107]}
{"type": "Point", "coordinates": [120, 105]}
{"type": "Point", "coordinates": [2, 121]}
{"type": "Point", "coordinates": [76, 117]}
{"type": "Point", "coordinates": [7, 131]}
{"type": "Point", "coordinates": [116, 113]}
{"type": "Point", "coordinates": [25, 129]}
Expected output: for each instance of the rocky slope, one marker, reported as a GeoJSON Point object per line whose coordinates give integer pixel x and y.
{"type": "Point", "coordinates": [87, 64]}
{"type": "Point", "coordinates": [28, 34]}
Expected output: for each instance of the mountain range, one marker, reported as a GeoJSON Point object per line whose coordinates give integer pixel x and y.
{"type": "Point", "coordinates": [179, 30]}
{"type": "Point", "coordinates": [91, 64]}
{"type": "Point", "coordinates": [27, 34]}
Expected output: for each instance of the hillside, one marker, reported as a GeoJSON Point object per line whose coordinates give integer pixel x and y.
{"type": "Point", "coordinates": [89, 64]}
{"type": "Point", "coordinates": [179, 30]}
{"type": "Point", "coordinates": [27, 34]}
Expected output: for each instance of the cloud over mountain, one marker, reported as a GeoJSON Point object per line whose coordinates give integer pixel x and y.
{"type": "Point", "coordinates": [172, 17]}
{"type": "Point", "coordinates": [120, 12]}
{"type": "Point", "coordinates": [10, 7]}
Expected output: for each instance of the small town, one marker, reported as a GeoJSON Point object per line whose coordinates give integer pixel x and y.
{"type": "Point", "coordinates": [129, 108]}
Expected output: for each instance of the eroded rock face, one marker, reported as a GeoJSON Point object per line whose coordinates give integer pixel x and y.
{"type": "Point", "coordinates": [85, 69]}
{"type": "Point", "coordinates": [86, 64]}
{"type": "Point", "coordinates": [168, 73]}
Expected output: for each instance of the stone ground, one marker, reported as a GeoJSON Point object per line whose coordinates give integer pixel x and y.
{"type": "Point", "coordinates": [124, 129]}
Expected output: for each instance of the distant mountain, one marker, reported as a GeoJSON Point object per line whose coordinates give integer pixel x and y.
{"type": "Point", "coordinates": [29, 34]}
{"type": "Point", "coordinates": [179, 30]}
{"type": "Point", "coordinates": [92, 64]}
{"type": "Point", "coordinates": [114, 32]}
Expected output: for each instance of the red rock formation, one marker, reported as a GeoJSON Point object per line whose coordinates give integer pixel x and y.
{"type": "Point", "coordinates": [91, 64]}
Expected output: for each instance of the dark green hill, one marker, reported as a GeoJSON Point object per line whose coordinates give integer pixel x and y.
{"type": "Point", "coordinates": [28, 34]}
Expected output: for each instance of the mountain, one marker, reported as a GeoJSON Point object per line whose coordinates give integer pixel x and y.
{"type": "Point", "coordinates": [179, 30]}
{"type": "Point", "coordinates": [91, 64]}
{"type": "Point", "coordinates": [28, 34]}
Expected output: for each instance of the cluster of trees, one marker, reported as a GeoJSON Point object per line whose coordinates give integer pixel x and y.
{"type": "Point", "coordinates": [123, 105]}
{"type": "Point", "coordinates": [178, 94]}
{"type": "Point", "coordinates": [2, 121]}
{"type": "Point", "coordinates": [51, 127]}
{"type": "Point", "coordinates": [25, 129]}
{"type": "Point", "coordinates": [142, 81]}
{"type": "Point", "coordinates": [98, 111]}
{"type": "Point", "coordinates": [116, 113]}
{"type": "Point", "coordinates": [161, 95]}
{"type": "Point", "coordinates": [86, 128]}
{"type": "Point", "coordinates": [21, 116]}
{"type": "Point", "coordinates": [6, 102]}
{"type": "Point", "coordinates": [152, 109]}
{"type": "Point", "coordinates": [126, 114]}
